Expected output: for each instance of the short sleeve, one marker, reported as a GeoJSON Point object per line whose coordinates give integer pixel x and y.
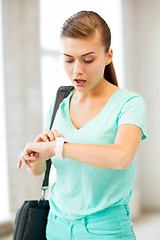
{"type": "Point", "coordinates": [47, 121]}
{"type": "Point", "coordinates": [134, 112]}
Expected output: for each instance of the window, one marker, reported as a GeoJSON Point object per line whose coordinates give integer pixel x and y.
{"type": "Point", "coordinates": [4, 199]}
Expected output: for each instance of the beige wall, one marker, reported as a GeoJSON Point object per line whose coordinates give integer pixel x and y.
{"type": "Point", "coordinates": [141, 20]}
{"type": "Point", "coordinates": [22, 91]}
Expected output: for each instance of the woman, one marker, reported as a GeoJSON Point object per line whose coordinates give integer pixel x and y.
{"type": "Point", "coordinates": [103, 125]}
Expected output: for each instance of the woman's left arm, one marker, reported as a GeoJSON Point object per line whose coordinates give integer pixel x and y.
{"type": "Point", "coordinates": [115, 156]}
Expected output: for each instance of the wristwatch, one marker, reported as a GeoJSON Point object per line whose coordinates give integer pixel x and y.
{"type": "Point", "coordinates": [59, 147]}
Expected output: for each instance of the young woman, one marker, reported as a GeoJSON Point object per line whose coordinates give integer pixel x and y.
{"type": "Point", "coordinates": [103, 125]}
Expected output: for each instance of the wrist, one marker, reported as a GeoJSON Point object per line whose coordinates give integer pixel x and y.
{"type": "Point", "coordinates": [65, 149]}
{"type": "Point", "coordinates": [51, 149]}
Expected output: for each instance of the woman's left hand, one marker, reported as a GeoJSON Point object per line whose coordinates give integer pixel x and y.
{"type": "Point", "coordinates": [36, 152]}
{"type": "Point", "coordinates": [48, 136]}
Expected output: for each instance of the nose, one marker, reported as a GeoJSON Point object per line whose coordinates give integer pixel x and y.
{"type": "Point", "coordinates": [77, 68]}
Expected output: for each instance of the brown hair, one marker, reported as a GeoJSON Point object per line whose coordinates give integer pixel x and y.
{"type": "Point", "coordinates": [85, 24]}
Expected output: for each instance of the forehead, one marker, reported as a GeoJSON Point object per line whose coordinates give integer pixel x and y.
{"type": "Point", "coordinates": [80, 46]}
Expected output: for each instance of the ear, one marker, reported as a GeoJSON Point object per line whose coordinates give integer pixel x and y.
{"type": "Point", "coordinates": [109, 56]}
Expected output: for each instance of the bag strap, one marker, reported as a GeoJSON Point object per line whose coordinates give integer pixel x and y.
{"type": "Point", "coordinates": [62, 93]}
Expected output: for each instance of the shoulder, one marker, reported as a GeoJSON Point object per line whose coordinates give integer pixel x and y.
{"type": "Point", "coordinates": [127, 97]}
{"type": "Point", "coordinates": [133, 111]}
{"type": "Point", "coordinates": [128, 94]}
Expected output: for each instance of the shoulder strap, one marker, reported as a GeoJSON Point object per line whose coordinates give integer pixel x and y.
{"type": "Point", "coordinates": [62, 93]}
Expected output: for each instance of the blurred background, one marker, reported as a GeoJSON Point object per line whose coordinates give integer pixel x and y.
{"type": "Point", "coordinates": [31, 71]}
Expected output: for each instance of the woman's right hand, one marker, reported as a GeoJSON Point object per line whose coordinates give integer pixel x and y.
{"type": "Point", "coordinates": [38, 168]}
{"type": "Point", "coordinates": [48, 136]}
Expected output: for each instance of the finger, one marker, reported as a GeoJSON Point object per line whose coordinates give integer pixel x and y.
{"type": "Point", "coordinates": [55, 132]}
{"type": "Point", "coordinates": [19, 163]}
{"type": "Point", "coordinates": [36, 154]}
{"type": "Point", "coordinates": [41, 138]}
{"type": "Point", "coordinates": [25, 163]}
{"type": "Point", "coordinates": [33, 154]}
{"type": "Point", "coordinates": [50, 135]}
{"type": "Point", "coordinates": [30, 161]}
{"type": "Point", "coordinates": [38, 139]}
{"type": "Point", "coordinates": [61, 135]}
{"type": "Point", "coordinates": [29, 157]}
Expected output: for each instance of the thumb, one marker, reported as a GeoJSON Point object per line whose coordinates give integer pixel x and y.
{"type": "Point", "coordinates": [61, 135]}
{"type": "Point", "coordinates": [35, 154]}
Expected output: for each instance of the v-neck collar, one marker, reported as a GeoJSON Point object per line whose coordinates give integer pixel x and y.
{"type": "Point", "coordinates": [93, 119]}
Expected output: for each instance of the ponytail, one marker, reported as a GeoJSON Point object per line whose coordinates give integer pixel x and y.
{"type": "Point", "coordinates": [110, 75]}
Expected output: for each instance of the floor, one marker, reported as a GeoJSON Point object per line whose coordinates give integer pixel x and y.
{"type": "Point", "coordinates": [146, 227]}
{"type": "Point", "coordinates": [7, 238]}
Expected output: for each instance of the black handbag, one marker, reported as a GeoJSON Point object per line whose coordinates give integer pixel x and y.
{"type": "Point", "coordinates": [31, 218]}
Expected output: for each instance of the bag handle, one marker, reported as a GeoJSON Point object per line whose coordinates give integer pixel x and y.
{"type": "Point", "coordinates": [62, 93]}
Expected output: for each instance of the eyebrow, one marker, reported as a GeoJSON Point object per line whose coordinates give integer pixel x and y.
{"type": "Point", "coordinates": [82, 55]}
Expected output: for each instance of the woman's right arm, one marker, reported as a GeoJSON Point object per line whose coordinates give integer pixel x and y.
{"type": "Point", "coordinates": [38, 168]}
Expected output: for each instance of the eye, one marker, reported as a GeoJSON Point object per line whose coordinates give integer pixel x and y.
{"type": "Point", "coordinates": [88, 61]}
{"type": "Point", "coordinates": [68, 61]}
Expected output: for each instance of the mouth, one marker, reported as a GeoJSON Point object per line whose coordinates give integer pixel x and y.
{"type": "Point", "coordinates": [79, 82]}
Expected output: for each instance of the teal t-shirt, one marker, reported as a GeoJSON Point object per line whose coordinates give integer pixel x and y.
{"type": "Point", "coordinates": [82, 189]}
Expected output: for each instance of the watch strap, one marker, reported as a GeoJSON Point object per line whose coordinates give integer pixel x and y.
{"type": "Point", "coordinates": [59, 147]}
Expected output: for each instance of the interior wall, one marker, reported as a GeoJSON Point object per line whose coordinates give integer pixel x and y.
{"type": "Point", "coordinates": [141, 60]}
{"type": "Point", "coordinates": [22, 92]}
